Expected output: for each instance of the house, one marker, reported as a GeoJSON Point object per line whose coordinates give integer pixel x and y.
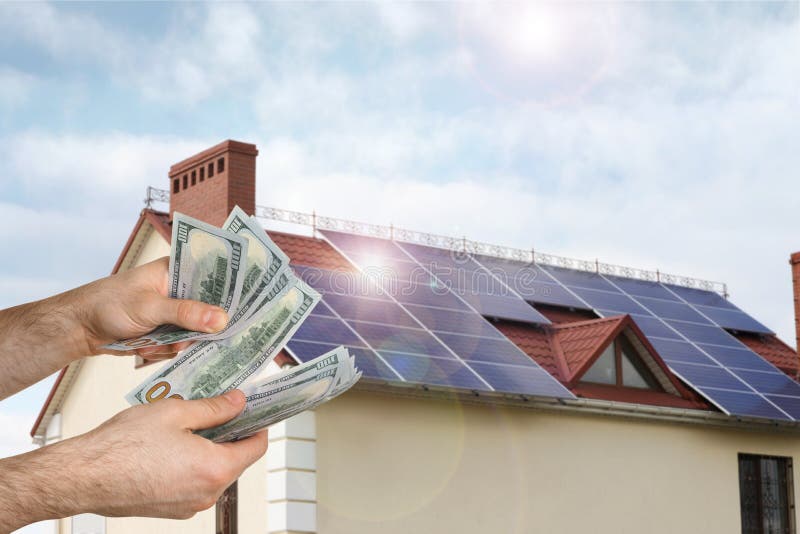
{"type": "Point", "coordinates": [559, 397]}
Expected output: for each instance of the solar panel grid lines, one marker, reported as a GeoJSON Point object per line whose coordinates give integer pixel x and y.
{"type": "Point", "coordinates": [567, 289]}
{"type": "Point", "coordinates": [499, 380]}
{"type": "Point", "coordinates": [477, 286]}
{"type": "Point", "coordinates": [345, 255]}
{"type": "Point", "coordinates": [360, 338]}
{"type": "Point", "coordinates": [562, 391]}
{"type": "Point", "coordinates": [697, 375]}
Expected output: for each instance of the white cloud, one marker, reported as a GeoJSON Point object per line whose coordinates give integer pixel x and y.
{"type": "Point", "coordinates": [15, 87]}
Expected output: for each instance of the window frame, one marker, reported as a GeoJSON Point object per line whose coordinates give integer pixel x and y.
{"type": "Point", "coordinates": [788, 474]}
{"type": "Point", "coordinates": [643, 370]}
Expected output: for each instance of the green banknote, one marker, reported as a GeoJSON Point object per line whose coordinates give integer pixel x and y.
{"type": "Point", "coordinates": [206, 264]}
{"type": "Point", "coordinates": [212, 367]}
{"type": "Point", "coordinates": [285, 394]}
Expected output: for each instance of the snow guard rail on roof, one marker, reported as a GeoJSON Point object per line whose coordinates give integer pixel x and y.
{"type": "Point", "coordinates": [462, 244]}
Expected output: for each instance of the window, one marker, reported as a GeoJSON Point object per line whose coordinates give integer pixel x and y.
{"type": "Point", "coordinates": [604, 369]}
{"type": "Point", "coordinates": [185, 181]}
{"type": "Point", "coordinates": [202, 173]}
{"type": "Point", "coordinates": [621, 365]}
{"type": "Point", "coordinates": [194, 177]}
{"type": "Point", "coordinates": [210, 170]}
{"type": "Point", "coordinates": [220, 165]}
{"type": "Point", "coordinates": [176, 185]}
{"type": "Point", "coordinates": [227, 512]}
{"type": "Point", "coordinates": [765, 494]}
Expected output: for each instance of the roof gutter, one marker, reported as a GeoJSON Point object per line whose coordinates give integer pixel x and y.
{"type": "Point", "coordinates": [582, 406]}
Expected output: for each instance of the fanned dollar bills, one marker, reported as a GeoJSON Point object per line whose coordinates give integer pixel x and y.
{"type": "Point", "coordinates": [288, 393]}
{"type": "Point", "coordinates": [239, 268]}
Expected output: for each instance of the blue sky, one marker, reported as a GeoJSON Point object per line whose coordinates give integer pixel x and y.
{"type": "Point", "coordinates": [656, 135]}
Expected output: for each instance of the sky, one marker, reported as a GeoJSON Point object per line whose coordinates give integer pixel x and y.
{"type": "Point", "coordinates": [658, 135]}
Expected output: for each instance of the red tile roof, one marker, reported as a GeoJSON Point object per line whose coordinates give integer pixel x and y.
{"type": "Point", "coordinates": [579, 343]}
{"type": "Point", "coordinates": [557, 314]}
{"type": "Point", "coordinates": [536, 343]}
{"type": "Point", "coordinates": [567, 350]}
{"type": "Point", "coordinates": [309, 251]}
{"type": "Point", "coordinates": [774, 350]}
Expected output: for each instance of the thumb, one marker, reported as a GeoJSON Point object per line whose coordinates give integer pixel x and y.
{"type": "Point", "coordinates": [190, 314]}
{"type": "Point", "coordinates": [207, 413]}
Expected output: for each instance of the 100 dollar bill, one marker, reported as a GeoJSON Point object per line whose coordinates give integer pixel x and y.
{"type": "Point", "coordinates": [213, 367]}
{"type": "Point", "coordinates": [288, 393]}
{"type": "Point", "coordinates": [205, 264]}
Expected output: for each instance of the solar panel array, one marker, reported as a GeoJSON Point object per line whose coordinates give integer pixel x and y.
{"type": "Point", "coordinates": [418, 315]}
{"type": "Point", "coordinates": [687, 328]}
{"type": "Point", "coordinates": [410, 327]}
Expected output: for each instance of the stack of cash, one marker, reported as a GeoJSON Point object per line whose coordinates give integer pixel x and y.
{"type": "Point", "coordinates": [240, 269]}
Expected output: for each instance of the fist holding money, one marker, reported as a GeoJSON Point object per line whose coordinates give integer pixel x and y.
{"type": "Point", "coordinates": [238, 268]}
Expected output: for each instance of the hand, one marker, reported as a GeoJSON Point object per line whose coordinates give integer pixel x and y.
{"type": "Point", "coordinates": [133, 303]}
{"type": "Point", "coordinates": [41, 337]}
{"type": "Point", "coordinates": [145, 461]}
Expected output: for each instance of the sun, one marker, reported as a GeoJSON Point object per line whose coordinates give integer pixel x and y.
{"type": "Point", "coordinates": [533, 32]}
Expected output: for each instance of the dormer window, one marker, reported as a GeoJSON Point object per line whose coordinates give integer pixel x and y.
{"type": "Point", "coordinates": [621, 365]}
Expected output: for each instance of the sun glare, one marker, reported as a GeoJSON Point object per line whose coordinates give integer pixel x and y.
{"type": "Point", "coordinates": [533, 33]}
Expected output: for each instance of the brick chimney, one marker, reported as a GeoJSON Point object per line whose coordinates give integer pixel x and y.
{"type": "Point", "coordinates": [208, 185]}
{"type": "Point", "coordinates": [794, 261]}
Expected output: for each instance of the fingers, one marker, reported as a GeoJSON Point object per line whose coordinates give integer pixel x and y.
{"type": "Point", "coordinates": [189, 314]}
{"type": "Point", "coordinates": [244, 452]}
{"type": "Point", "coordinates": [163, 352]}
{"type": "Point", "coordinates": [206, 413]}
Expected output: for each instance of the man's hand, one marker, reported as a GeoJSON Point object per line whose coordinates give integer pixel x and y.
{"type": "Point", "coordinates": [133, 303]}
{"type": "Point", "coordinates": [41, 337]}
{"type": "Point", "coordinates": [145, 461]}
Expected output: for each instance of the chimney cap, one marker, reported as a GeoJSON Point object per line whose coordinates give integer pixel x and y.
{"type": "Point", "coordinates": [228, 145]}
{"type": "Point", "coordinates": [794, 258]}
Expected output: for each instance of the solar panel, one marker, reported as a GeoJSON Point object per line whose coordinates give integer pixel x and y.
{"type": "Point", "coordinates": [530, 282]}
{"type": "Point", "coordinates": [733, 319]}
{"type": "Point", "coordinates": [458, 322]}
{"type": "Point", "coordinates": [573, 278]}
{"type": "Point", "coordinates": [539, 292]}
{"type": "Point", "coordinates": [713, 361]}
{"type": "Point", "coordinates": [699, 333]}
{"type": "Point", "coordinates": [685, 325]}
{"type": "Point", "coordinates": [699, 296]}
{"type": "Point", "coordinates": [513, 378]}
{"type": "Point", "coordinates": [436, 351]}
{"type": "Point", "coordinates": [434, 371]}
{"type": "Point", "coordinates": [366, 360]}
{"type": "Point", "coordinates": [790, 405]}
{"type": "Point", "coordinates": [741, 403]}
{"type": "Point", "coordinates": [641, 288]}
{"type": "Point", "coordinates": [617, 302]}
{"type": "Point", "coordinates": [392, 338]}
{"type": "Point", "coordinates": [737, 357]}
{"type": "Point", "coordinates": [651, 326]}
{"type": "Point", "coordinates": [670, 309]}
{"type": "Point", "coordinates": [708, 376]}
{"type": "Point", "coordinates": [483, 291]}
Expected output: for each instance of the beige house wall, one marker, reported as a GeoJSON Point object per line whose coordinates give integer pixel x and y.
{"type": "Point", "coordinates": [398, 465]}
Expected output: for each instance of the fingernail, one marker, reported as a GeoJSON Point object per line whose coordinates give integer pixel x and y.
{"type": "Point", "coordinates": [215, 320]}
